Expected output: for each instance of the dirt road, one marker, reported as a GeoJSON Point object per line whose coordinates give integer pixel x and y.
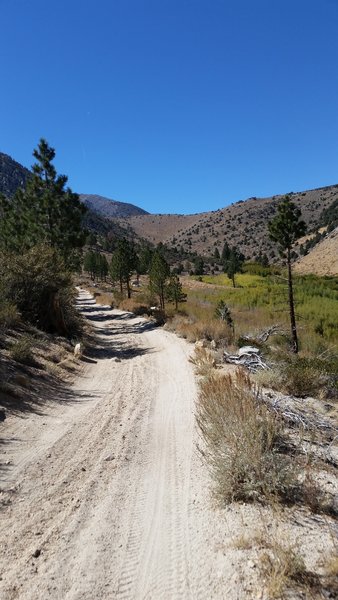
{"type": "Point", "coordinates": [107, 497]}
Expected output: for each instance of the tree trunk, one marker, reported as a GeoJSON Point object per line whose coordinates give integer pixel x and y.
{"type": "Point", "coordinates": [162, 297]}
{"type": "Point", "coordinates": [292, 307]}
{"type": "Point", "coordinates": [128, 288]}
{"type": "Point", "coordinates": [121, 286]}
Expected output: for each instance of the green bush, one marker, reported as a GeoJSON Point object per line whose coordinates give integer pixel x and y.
{"type": "Point", "coordinates": [21, 351]}
{"type": "Point", "coordinates": [38, 284]}
{"type": "Point", "coordinates": [9, 315]}
{"type": "Point", "coordinates": [310, 376]}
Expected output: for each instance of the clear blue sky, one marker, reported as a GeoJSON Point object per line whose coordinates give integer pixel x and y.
{"type": "Point", "coordinates": [174, 105]}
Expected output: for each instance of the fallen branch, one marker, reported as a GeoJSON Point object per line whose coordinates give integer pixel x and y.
{"type": "Point", "coordinates": [248, 357]}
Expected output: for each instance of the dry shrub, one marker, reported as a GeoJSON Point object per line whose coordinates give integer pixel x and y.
{"type": "Point", "coordinates": [331, 567]}
{"type": "Point", "coordinates": [102, 298]}
{"type": "Point", "coordinates": [284, 569]}
{"type": "Point", "coordinates": [330, 579]}
{"type": "Point", "coordinates": [242, 441]}
{"type": "Point", "coordinates": [203, 361]}
{"type": "Point", "coordinates": [208, 329]}
{"type": "Point", "coordinates": [131, 305]}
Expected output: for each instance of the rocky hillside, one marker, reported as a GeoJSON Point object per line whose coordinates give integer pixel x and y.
{"type": "Point", "coordinates": [12, 175]}
{"type": "Point", "coordinates": [243, 224]}
{"type": "Point", "coordinates": [111, 209]}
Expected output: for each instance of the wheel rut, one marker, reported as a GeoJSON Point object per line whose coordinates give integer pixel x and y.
{"type": "Point", "coordinates": [107, 496]}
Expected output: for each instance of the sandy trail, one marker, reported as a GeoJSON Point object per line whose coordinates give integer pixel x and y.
{"type": "Point", "coordinates": [109, 487]}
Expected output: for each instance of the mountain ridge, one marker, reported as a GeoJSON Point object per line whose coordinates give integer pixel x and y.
{"type": "Point", "coordinates": [242, 223]}
{"type": "Point", "coordinates": [110, 208]}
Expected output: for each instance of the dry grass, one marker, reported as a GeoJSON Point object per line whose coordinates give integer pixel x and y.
{"type": "Point", "coordinates": [134, 306]}
{"type": "Point", "coordinates": [242, 441]}
{"type": "Point", "coordinates": [203, 329]}
{"type": "Point", "coordinates": [257, 539]}
{"type": "Point", "coordinates": [102, 298]}
{"type": "Point", "coordinates": [331, 567]}
{"type": "Point", "coordinates": [283, 568]}
{"type": "Point", "coordinates": [203, 360]}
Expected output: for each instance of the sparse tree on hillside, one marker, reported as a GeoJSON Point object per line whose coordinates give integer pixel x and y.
{"type": "Point", "coordinates": [225, 252]}
{"type": "Point", "coordinates": [198, 266]}
{"type": "Point", "coordinates": [158, 276]}
{"type": "Point", "coordinates": [285, 229]}
{"type": "Point", "coordinates": [233, 264]}
{"type": "Point", "coordinates": [174, 291]}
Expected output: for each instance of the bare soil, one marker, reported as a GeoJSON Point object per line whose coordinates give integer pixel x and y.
{"type": "Point", "coordinates": [322, 259]}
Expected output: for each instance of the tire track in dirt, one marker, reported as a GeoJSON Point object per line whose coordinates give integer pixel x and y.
{"type": "Point", "coordinates": [107, 495]}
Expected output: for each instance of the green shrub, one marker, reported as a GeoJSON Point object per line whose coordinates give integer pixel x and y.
{"type": "Point", "coordinates": [21, 351]}
{"type": "Point", "coordinates": [9, 315]}
{"type": "Point", "coordinates": [41, 288]}
{"type": "Point", "coordinates": [310, 376]}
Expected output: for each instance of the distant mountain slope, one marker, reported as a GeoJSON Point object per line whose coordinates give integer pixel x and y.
{"type": "Point", "coordinates": [322, 259]}
{"type": "Point", "coordinates": [111, 209]}
{"type": "Point", "coordinates": [12, 175]}
{"type": "Point", "coordinates": [243, 224]}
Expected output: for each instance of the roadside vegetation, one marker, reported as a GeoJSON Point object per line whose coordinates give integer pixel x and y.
{"type": "Point", "coordinates": [41, 241]}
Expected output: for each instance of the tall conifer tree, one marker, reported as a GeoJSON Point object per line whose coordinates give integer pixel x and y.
{"type": "Point", "coordinates": [285, 229]}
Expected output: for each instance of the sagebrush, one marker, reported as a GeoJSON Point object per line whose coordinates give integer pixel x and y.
{"type": "Point", "coordinates": [243, 441]}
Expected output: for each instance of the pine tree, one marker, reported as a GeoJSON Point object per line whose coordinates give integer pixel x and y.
{"type": "Point", "coordinates": [158, 275]}
{"type": "Point", "coordinates": [145, 257]}
{"type": "Point", "coordinates": [174, 291]}
{"type": "Point", "coordinates": [198, 266]}
{"type": "Point", "coordinates": [225, 252]}
{"type": "Point", "coordinates": [46, 212]}
{"type": "Point", "coordinates": [89, 264]}
{"type": "Point", "coordinates": [285, 229]}
{"type": "Point", "coordinates": [233, 264]}
{"type": "Point", "coordinates": [123, 264]}
{"type": "Point", "coordinates": [223, 313]}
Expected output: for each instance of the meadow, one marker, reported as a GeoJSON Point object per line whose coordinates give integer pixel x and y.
{"type": "Point", "coordinates": [260, 299]}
